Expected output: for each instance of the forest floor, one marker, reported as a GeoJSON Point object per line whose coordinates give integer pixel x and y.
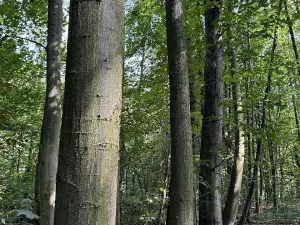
{"type": "Point", "coordinates": [288, 213]}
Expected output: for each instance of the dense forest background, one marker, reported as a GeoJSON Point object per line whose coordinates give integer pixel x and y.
{"type": "Point", "coordinates": [263, 36]}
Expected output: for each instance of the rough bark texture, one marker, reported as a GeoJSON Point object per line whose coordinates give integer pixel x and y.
{"type": "Point", "coordinates": [87, 177]}
{"type": "Point", "coordinates": [232, 201]}
{"type": "Point", "coordinates": [180, 210]}
{"type": "Point", "coordinates": [49, 144]}
{"type": "Point", "coordinates": [211, 142]}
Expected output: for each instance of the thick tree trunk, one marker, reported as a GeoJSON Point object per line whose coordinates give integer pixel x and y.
{"type": "Point", "coordinates": [210, 212]}
{"type": "Point", "coordinates": [181, 210]}
{"type": "Point", "coordinates": [87, 177]}
{"type": "Point", "coordinates": [232, 201]}
{"type": "Point", "coordinates": [49, 144]}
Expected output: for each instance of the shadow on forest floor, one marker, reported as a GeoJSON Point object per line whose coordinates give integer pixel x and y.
{"type": "Point", "coordinates": [288, 213]}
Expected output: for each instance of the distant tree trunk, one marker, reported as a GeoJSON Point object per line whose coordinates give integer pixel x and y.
{"type": "Point", "coordinates": [49, 143]}
{"type": "Point", "coordinates": [292, 35]}
{"type": "Point", "coordinates": [181, 210]}
{"type": "Point", "coordinates": [210, 212]}
{"type": "Point", "coordinates": [262, 126]}
{"type": "Point", "coordinates": [297, 159]}
{"type": "Point", "coordinates": [261, 189]}
{"type": "Point", "coordinates": [291, 30]}
{"type": "Point", "coordinates": [273, 173]}
{"type": "Point", "coordinates": [196, 124]}
{"type": "Point", "coordinates": [87, 176]}
{"type": "Point", "coordinates": [37, 184]}
{"type": "Point", "coordinates": [232, 201]}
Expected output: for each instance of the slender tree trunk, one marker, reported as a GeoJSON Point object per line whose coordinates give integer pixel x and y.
{"type": "Point", "coordinates": [262, 126]}
{"type": "Point", "coordinates": [261, 183]}
{"type": "Point", "coordinates": [232, 201]}
{"type": "Point", "coordinates": [37, 184]}
{"type": "Point", "coordinates": [87, 177]}
{"type": "Point", "coordinates": [291, 30]}
{"type": "Point", "coordinates": [181, 209]}
{"type": "Point", "coordinates": [292, 35]}
{"type": "Point", "coordinates": [196, 124]}
{"type": "Point", "coordinates": [210, 212]}
{"type": "Point", "coordinates": [49, 143]}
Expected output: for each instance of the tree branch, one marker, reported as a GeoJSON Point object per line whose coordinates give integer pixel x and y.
{"type": "Point", "coordinates": [23, 38]}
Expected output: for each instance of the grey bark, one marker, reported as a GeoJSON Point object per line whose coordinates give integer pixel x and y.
{"type": "Point", "coordinates": [180, 210]}
{"type": "Point", "coordinates": [232, 200]}
{"type": "Point", "coordinates": [273, 161]}
{"type": "Point", "coordinates": [87, 177]}
{"type": "Point", "coordinates": [195, 123]}
{"type": "Point", "coordinates": [211, 141]}
{"type": "Point", "coordinates": [49, 143]}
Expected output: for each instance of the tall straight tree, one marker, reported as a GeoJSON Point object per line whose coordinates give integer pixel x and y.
{"type": "Point", "coordinates": [259, 147]}
{"type": "Point", "coordinates": [232, 200]}
{"type": "Point", "coordinates": [49, 143]}
{"type": "Point", "coordinates": [181, 210]}
{"type": "Point", "coordinates": [87, 176]}
{"type": "Point", "coordinates": [210, 212]}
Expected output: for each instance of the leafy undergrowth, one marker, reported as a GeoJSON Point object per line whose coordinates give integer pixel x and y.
{"type": "Point", "coordinates": [288, 213]}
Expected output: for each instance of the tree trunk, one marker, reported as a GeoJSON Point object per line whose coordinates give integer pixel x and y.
{"type": "Point", "coordinates": [292, 35]}
{"type": "Point", "coordinates": [262, 126]}
{"type": "Point", "coordinates": [210, 212]}
{"type": "Point", "coordinates": [87, 177]}
{"type": "Point", "coordinates": [291, 30]}
{"type": "Point", "coordinates": [232, 201]}
{"type": "Point", "coordinates": [181, 210]}
{"type": "Point", "coordinates": [49, 143]}
{"type": "Point", "coordinates": [196, 124]}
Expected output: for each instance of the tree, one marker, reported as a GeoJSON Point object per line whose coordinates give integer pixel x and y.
{"type": "Point", "coordinates": [181, 210]}
{"type": "Point", "coordinates": [232, 200]}
{"type": "Point", "coordinates": [211, 141]}
{"type": "Point", "coordinates": [87, 176]}
{"type": "Point", "coordinates": [259, 147]}
{"type": "Point", "coordinates": [49, 143]}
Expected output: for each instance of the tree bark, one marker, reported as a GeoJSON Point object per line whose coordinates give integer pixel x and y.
{"type": "Point", "coordinates": [232, 201]}
{"type": "Point", "coordinates": [87, 177]}
{"type": "Point", "coordinates": [273, 173]}
{"type": "Point", "coordinates": [210, 212]}
{"type": "Point", "coordinates": [49, 143]}
{"type": "Point", "coordinates": [181, 210]}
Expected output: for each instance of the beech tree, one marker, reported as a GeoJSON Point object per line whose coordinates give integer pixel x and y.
{"type": "Point", "coordinates": [210, 212]}
{"type": "Point", "coordinates": [49, 143]}
{"type": "Point", "coordinates": [181, 209]}
{"type": "Point", "coordinates": [232, 200]}
{"type": "Point", "coordinates": [87, 177]}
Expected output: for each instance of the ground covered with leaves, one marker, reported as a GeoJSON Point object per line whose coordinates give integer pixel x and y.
{"type": "Point", "coordinates": [288, 213]}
